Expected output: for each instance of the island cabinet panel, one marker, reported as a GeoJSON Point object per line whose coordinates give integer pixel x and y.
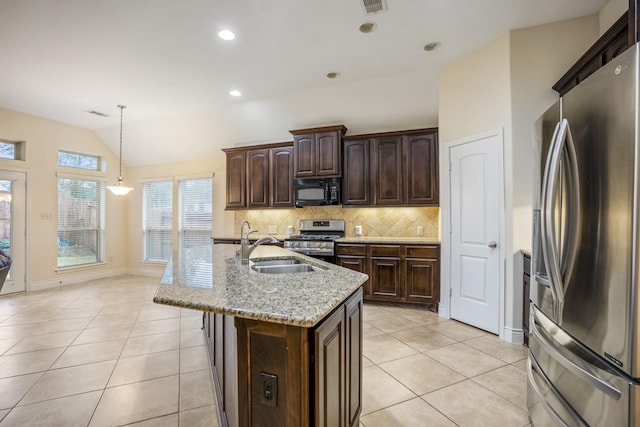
{"type": "Point", "coordinates": [356, 188]}
{"type": "Point", "coordinates": [271, 374]}
{"type": "Point", "coordinates": [354, 313]}
{"type": "Point", "coordinates": [317, 152]}
{"type": "Point", "coordinates": [330, 370]}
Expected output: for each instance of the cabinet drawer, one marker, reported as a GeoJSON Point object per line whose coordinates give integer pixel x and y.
{"type": "Point", "coordinates": [342, 249]}
{"type": "Point", "coordinates": [422, 251]}
{"type": "Point", "coordinates": [385, 250]}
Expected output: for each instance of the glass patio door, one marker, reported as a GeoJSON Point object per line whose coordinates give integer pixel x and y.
{"type": "Point", "coordinates": [13, 227]}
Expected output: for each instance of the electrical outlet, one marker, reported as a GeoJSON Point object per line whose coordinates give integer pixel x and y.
{"type": "Point", "coordinates": [358, 230]}
{"type": "Point", "coordinates": [273, 229]}
{"type": "Point", "coordinates": [290, 230]}
{"type": "Point", "coordinates": [420, 230]}
{"type": "Point", "coordinates": [268, 389]}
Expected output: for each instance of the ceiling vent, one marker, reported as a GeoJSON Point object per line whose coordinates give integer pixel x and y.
{"type": "Point", "coordinates": [97, 113]}
{"type": "Point", "coordinates": [374, 6]}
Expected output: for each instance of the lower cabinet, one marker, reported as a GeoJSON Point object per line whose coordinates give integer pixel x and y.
{"type": "Point", "coordinates": [279, 375]}
{"type": "Point", "coordinates": [397, 273]}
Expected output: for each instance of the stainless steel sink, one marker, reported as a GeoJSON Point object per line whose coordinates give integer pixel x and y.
{"type": "Point", "coordinates": [283, 266]}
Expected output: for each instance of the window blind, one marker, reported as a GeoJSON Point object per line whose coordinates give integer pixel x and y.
{"type": "Point", "coordinates": [80, 221]}
{"type": "Point", "coordinates": [195, 212]}
{"type": "Point", "coordinates": [158, 220]}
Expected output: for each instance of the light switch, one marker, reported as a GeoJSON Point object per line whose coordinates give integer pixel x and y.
{"type": "Point", "coordinates": [358, 230]}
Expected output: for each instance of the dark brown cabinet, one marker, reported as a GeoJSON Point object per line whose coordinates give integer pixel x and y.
{"type": "Point", "coordinates": [317, 152]}
{"type": "Point", "coordinates": [272, 374]}
{"type": "Point", "coordinates": [281, 177]}
{"type": "Point", "coordinates": [621, 35]}
{"type": "Point", "coordinates": [236, 179]}
{"type": "Point", "coordinates": [260, 177]}
{"type": "Point", "coordinates": [391, 169]}
{"type": "Point", "coordinates": [356, 180]}
{"type": "Point", "coordinates": [385, 272]}
{"type": "Point", "coordinates": [397, 273]}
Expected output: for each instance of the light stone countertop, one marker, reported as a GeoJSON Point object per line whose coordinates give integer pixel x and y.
{"type": "Point", "coordinates": [396, 240]}
{"type": "Point", "coordinates": [211, 278]}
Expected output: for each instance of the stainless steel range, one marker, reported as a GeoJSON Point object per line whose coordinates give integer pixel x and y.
{"type": "Point", "coordinates": [317, 238]}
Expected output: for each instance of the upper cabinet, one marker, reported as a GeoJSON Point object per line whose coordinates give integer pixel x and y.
{"type": "Point", "coordinates": [623, 34]}
{"type": "Point", "coordinates": [260, 176]}
{"type": "Point", "coordinates": [391, 169]}
{"type": "Point", "coordinates": [317, 152]}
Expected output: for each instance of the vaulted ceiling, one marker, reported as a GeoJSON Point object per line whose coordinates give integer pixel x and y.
{"type": "Point", "coordinates": [164, 60]}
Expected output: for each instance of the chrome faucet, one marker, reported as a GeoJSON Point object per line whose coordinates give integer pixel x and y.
{"type": "Point", "coordinates": [245, 247]}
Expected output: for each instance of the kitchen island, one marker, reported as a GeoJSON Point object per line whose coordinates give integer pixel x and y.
{"type": "Point", "coordinates": [285, 349]}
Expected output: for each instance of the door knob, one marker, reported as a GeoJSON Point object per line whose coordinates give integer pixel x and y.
{"type": "Point", "coordinates": [492, 245]}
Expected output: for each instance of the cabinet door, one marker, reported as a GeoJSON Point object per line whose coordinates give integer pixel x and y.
{"type": "Point", "coordinates": [385, 278]}
{"type": "Point", "coordinates": [328, 154]}
{"type": "Point", "coordinates": [354, 358]}
{"type": "Point", "coordinates": [258, 177]}
{"type": "Point", "coordinates": [236, 180]}
{"type": "Point", "coordinates": [422, 280]}
{"type": "Point", "coordinates": [421, 169]}
{"type": "Point", "coordinates": [358, 264]}
{"type": "Point", "coordinates": [304, 152]}
{"type": "Point", "coordinates": [329, 373]}
{"type": "Point", "coordinates": [356, 179]}
{"type": "Point", "coordinates": [386, 165]}
{"type": "Point", "coordinates": [281, 177]}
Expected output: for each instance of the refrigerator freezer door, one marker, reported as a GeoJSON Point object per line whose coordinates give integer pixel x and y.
{"type": "Point", "coordinates": [600, 294]}
{"type": "Point", "coordinates": [567, 379]}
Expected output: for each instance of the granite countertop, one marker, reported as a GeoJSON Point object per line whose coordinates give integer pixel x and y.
{"type": "Point", "coordinates": [211, 278]}
{"type": "Point", "coordinates": [397, 240]}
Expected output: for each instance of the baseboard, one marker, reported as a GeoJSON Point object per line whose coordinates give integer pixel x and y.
{"type": "Point", "coordinates": [147, 271]}
{"type": "Point", "coordinates": [74, 278]}
{"type": "Point", "coordinates": [514, 336]}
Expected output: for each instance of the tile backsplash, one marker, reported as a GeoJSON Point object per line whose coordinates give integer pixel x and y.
{"type": "Point", "coordinates": [375, 222]}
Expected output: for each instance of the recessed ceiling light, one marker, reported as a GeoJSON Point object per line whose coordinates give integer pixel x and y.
{"type": "Point", "coordinates": [431, 46]}
{"type": "Point", "coordinates": [235, 93]}
{"type": "Point", "coordinates": [368, 27]}
{"type": "Point", "coordinates": [333, 75]}
{"type": "Point", "coordinates": [226, 35]}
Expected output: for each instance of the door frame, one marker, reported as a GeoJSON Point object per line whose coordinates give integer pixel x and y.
{"type": "Point", "coordinates": [27, 214]}
{"type": "Point", "coordinates": [444, 307]}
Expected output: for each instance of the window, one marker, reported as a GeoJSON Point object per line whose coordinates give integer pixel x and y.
{"type": "Point", "coordinates": [77, 160]}
{"type": "Point", "coordinates": [13, 150]}
{"type": "Point", "coordinates": [80, 221]}
{"type": "Point", "coordinates": [195, 212]}
{"type": "Point", "coordinates": [157, 220]}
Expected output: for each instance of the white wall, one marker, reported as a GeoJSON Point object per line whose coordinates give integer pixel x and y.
{"type": "Point", "coordinates": [507, 85]}
{"type": "Point", "coordinates": [43, 140]}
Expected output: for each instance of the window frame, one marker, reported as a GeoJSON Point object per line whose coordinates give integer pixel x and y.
{"type": "Point", "coordinates": [100, 219]}
{"type": "Point", "coordinates": [98, 159]}
{"type": "Point", "coordinates": [145, 251]}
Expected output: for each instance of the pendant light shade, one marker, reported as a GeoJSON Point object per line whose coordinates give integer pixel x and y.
{"type": "Point", "coordinates": [118, 189]}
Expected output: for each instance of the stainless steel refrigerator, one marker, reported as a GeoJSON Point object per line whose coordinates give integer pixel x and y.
{"type": "Point", "coordinates": [584, 336]}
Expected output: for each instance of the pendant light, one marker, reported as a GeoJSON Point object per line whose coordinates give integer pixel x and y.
{"type": "Point", "coordinates": [119, 189]}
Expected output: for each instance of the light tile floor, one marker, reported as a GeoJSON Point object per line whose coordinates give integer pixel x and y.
{"type": "Point", "coordinates": [102, 353]}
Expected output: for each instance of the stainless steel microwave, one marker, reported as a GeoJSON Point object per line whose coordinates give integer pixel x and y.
{"type": "Point", "coordinates": [316, 192]}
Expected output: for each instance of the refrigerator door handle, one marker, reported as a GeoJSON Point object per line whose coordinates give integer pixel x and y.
{"type": "Point", "coordinates": [545, 236]}
{"type": "Point", "coordinates": [574, 222]}
{"type": "Point", "coordinates": [603, 386]}
{"type": "Point", "coordinates": [549, 196]}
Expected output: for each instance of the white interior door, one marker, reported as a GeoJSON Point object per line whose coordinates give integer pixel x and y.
{"type": "Point", "coordinates": [13, 202]}
{"type": "Point", "coordinates": [475, 220]}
